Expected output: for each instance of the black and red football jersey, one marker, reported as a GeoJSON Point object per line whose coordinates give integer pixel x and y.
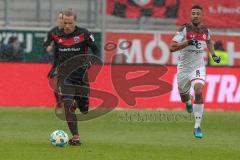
{"type": "Point", "coordinates": [69, 45]}
{"type": "Point", "coordinates": [76, 43]}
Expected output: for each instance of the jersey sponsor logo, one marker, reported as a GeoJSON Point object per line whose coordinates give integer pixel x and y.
{"type": "Point", "coordinates": [194, 51]}
{"type": "Point", "coordinates": [69, 49]}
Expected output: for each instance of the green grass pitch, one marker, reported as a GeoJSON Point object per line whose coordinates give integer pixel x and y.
{"type": "Point", "coordinates": [120, 135]}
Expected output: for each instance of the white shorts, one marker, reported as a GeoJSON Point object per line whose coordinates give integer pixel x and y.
{"type": "Point", "coordinates": [187, 79]}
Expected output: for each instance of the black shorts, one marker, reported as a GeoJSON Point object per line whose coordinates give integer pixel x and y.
{"type": "Point", "coordinates": [73, 86]}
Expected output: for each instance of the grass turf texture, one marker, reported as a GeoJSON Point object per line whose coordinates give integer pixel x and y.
{"type": "Point", "coordinates": [120, 135]}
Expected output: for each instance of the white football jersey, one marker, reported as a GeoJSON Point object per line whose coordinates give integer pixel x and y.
{"type": "Point", "coordinates": [190, 58]}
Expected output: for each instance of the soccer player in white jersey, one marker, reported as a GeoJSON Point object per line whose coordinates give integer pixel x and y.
{"type": "Point", "coordinates": [191, 40]}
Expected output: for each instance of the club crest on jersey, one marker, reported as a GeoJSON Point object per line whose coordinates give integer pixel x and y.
{"type": "Point", "coordinates": [204, 36]}
{"type": "Point", "coordinates": [76, 39]}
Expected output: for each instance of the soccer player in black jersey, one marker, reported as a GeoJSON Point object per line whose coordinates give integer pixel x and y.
{"type": "Point", "coordinates": [50, 48]}
{"type": "Point", "coordinates": [71, 42]}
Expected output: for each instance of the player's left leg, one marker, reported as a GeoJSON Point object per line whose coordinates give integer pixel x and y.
{"type": "Point", "coordinates": [52, 77]}
{"type": "Point", "coordinates": [198, 82]}
{"type": "Point", "coordinates": [198, 107]}
{"type": "Point", "coordinates": [184, 85]}
{"type": "Point", "coordinates": [59, 104]}
{"type": "Point", "coordinates": [82, 95]}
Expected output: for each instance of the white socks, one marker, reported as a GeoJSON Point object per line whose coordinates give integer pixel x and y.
{"type": "Point", "coordinates": [198, 112]}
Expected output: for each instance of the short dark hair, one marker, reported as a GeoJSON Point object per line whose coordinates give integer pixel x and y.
{"type": "Point", "coordinates": [69, 12]}
{"type": "Point", "coordinates": [197, 7]}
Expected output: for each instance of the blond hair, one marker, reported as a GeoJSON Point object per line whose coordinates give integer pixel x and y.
{"type": "Point", "coordinates": [69, 12]}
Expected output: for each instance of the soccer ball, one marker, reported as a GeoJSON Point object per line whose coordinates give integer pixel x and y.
{"type": "Point", "coordinates": [59, 138]}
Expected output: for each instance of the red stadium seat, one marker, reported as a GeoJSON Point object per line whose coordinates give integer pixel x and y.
{"type": "Point", "coordinates": [169, 3]}
{"type": "Point", "coordinates": [130, 9]}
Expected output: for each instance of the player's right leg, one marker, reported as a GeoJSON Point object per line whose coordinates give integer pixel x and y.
{"type": "Point", "coordinates": [184, 86]}
{"type": "Point", "coordinates": [52, 77]}
{"type": "Point", "coordinates": [187, 99]}
{"type": "Point", "coordinates": [67, 94]}
{"type": "Point", "coordinates": [82, 94]}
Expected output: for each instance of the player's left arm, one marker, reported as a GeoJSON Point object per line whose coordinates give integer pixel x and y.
{"type": "Point", "coordinates": [48, 43]}
{"type": "Point", "coordinates": [92, 45]}
{"type": "Point", "coordinates": [211, 49]}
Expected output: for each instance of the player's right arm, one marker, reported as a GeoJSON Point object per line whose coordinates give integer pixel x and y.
{"type": "Point", "coordinates": [179, 40]}
{"type": "Point", "coordinates": [48, 43]}
{"type": "Point", "coordinates": [175, 46]}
